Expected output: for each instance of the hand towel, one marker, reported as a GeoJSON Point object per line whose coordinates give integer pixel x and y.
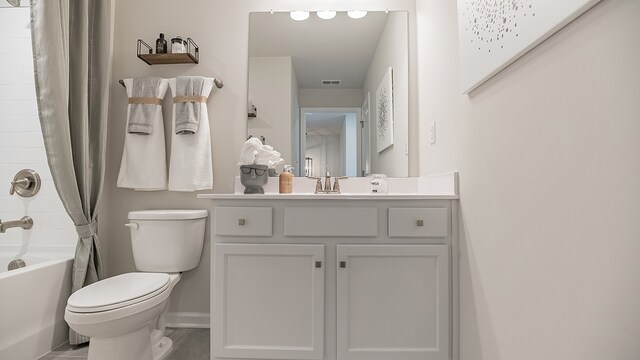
{"type": "Point", "coordinates": [190, 166]}
{"type": "Point", "coordinates": [249, 152]}
{"type": "Point", "coordinates": [143, 103]}
{"type": "Point", "coordinates": [144, 163]}
{"type": "Point", "coordinates": [254, 152]}
{"type": "Point", "coordinates": [188, 100]}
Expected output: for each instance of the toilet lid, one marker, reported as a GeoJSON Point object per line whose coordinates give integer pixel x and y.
{"type": "Point", "coordinates": [118, 291]}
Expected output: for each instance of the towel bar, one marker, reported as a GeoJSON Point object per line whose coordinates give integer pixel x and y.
{"type": "Point", "coordinates": [219, 83]}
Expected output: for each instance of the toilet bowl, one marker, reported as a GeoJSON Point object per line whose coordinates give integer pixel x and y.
{"type": "Point", "coordinates": [124, 315]}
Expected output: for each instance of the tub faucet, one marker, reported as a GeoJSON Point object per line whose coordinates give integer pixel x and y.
{"type": "Point", "coordinates": [26, 223]}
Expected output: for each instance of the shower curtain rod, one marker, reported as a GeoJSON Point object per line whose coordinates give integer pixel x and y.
{"type": "Point", "coordinates": [219, 83]}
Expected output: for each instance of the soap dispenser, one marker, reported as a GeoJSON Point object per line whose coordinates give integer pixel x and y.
{"type": "Point", "coordinates": [286, 180]}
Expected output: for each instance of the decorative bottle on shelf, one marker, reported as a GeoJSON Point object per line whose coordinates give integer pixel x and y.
{"type": "Point", "coordinates": [286, 180]}
{"type": "Point", "coordinates": [161, 45]}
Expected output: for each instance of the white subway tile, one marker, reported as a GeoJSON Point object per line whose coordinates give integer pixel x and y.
{"type": "Point", "coordinates": [14, 46]}
{"type": "Point", "coordinates": [21, 140]}
{"type": "Point", "coordinates": [40, 237]}
{"type": "Point", "coordinates": [11, 76]}
{"type": "Point", "coordinates": [55, 237]}
{"type": "Point", "coordinates": [28, 76]}
{"type": "Point", "coordinates": [54, 220]}
{"type": "Point", "coordinates": [17, 92]}
{"type": "Point", "coordinates": [35, 205]}
{"type": "Point", "coordinates": [24, 156]}
{"type": "Point", "coordinates": [17, 29]}
{"type": "Point", "coordinates": [21, 15]}
{"type": "Point", "coordinates": [17, 108]}
{"type": "Point", "coordinates": [20, 123]}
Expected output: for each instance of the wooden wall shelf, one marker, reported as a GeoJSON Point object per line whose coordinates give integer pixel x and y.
{"type": "Point", "coordinates": [157, 59]}
{"type": "Point", "coordinates": [192, 56]}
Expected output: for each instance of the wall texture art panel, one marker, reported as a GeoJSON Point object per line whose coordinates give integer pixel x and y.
{"type": "Point", "coordinates": [494, 33]}
{"type": "Point", "coordinates": [384, 111]}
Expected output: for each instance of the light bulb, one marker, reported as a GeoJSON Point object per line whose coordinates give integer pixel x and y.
{"type": "Point", "coordinates": [299, 15]}
{"type": "Point", "coordinates": [326, 14]}
{"type": "Point", "coordinates": [357, 14]}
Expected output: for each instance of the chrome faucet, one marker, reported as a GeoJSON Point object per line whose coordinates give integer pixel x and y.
{"type": "Point", "coordinates": [327, 184]}
{"type": "Point", "coordinates": [26, 223]}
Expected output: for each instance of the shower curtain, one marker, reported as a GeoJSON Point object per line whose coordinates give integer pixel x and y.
{"type": "Point", "coordinates": [72, 51]}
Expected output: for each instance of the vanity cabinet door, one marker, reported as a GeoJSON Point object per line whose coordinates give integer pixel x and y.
{"type": "Point", "coordinates": [268, 301]}
{"type": "Point", "coordinates": [393, 302]}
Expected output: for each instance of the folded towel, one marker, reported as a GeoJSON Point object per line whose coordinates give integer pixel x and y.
{"type": "Point", "coordinates": [249, 152]}
{"type": "Point", "coordinates": [270, 157]}
{"type": "Point", "coordinates": [144, 101]}
{"type": "Point", "coordinates": [188, 100]}
{"type": "Point", "coordinates": [253, 152]}
{"type": "Point", "coordinates": [190, 167]}
{"type": "Point", "coordinates": [144, 163]}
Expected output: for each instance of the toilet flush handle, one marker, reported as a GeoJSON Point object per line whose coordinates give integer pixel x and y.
{"type": "Point", "coordinates": [132, 225]}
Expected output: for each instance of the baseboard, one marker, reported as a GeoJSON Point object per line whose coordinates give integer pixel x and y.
{"type": "Point", "coordinates": [188, 320]}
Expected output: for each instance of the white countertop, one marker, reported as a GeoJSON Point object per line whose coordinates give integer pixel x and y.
{"type": "Point", "coordinates": [326, 197]}
{"type": "Point", "coordinates": [436, 187]}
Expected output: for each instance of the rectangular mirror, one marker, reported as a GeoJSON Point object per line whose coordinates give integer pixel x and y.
{"type": "Point", "coordinates": [331, 94]}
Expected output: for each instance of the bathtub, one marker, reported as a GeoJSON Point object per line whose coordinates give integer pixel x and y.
{"type": "Point", "coordinates": [32, 302]}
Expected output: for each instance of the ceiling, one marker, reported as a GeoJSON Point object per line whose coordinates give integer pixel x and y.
{"type": "Point", "coordinates": [336, 49]}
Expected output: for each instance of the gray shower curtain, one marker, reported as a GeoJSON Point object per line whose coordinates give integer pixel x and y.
{"type": "Point", "coordinates": [72, 51]}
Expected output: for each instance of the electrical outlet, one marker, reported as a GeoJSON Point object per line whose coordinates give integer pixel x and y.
{"type": "Point", "coordinates": [432, 132]}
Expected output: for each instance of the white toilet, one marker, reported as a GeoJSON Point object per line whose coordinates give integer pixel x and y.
{"type": "Point", "coordinates": [124, 315]}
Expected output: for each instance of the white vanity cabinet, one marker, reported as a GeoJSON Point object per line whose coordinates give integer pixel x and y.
{"type": "Point", "coordinates": [336, 278]}
{"type": "Point", "coordinates": [269, 301]}
{"type": "Point", "coordinates": [393, 302]}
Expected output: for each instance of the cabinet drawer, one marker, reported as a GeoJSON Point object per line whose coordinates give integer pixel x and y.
{"type": "Point", "coordinates": [243, 221]}
{"type": "Point", "coordinates": [331, 221]}
{"type": "Point", "coordinates": [418, 222]}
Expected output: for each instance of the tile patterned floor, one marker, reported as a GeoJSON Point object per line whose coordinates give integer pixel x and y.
{"type": "Point", "coordinates": [188, 344]}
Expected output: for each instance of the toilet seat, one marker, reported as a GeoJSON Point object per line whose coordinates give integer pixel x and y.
{"type": "Point", "coordinates": [118, 292]}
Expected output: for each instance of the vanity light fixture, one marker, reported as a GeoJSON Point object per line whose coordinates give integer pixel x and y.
{"type": "Point", "coordinates": [299, 15]}
{"type": "Point", "coordinates": [357, 14]}
{"type": "Point", "coordinates": [326, 14]}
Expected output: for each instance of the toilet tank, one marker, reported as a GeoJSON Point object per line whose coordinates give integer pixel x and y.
{"type": "Point", "coordinates": [167, 240]}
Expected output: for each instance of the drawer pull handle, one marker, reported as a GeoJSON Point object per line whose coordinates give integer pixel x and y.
{"type": "Point", "coordinates": [242, 222]}
{"type": "Point", "coordinates": [343, 264]}
{"type": "Point", "coordinates": [420, 223]}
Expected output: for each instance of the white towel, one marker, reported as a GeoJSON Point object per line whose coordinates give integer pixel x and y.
{"type": "Point", "coordinates": [144, 162]}
{"type": "Point", "coordinates": [190, 167]}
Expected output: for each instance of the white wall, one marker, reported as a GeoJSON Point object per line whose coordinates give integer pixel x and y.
{"type": "Point", "coordinates": [21, 144]}
{"type": "Point", "coordinates": [318, 98]}
{"type": "Point", "coordinates": [550, 186]}
{"type": "Point", "coordinates": [393, 161]}
{"type": "Point", "coordinates": [325, 150]}
{"type": "Point", "coordinates": [270, 90]}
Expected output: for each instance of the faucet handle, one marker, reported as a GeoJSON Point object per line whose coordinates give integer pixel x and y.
{"type": "Point", "coordinates": [318, 183]}
{"type": "Point", "coordinates": [336, 184]}
{"type": "Point", "coordinates": [21, 183]}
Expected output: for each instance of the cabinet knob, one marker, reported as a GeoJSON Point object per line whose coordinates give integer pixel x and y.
{"type": "Point", "coordinates": [343, 264]}
{"type": "Point", "coordinates": [420, 223]}
{"type": "Point", "coordinates": [242, 222]}
{"type": "Point", "coordinates": [318, 264]}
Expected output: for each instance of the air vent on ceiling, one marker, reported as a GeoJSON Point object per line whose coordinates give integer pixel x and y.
{"type": "Point", "coordinates": [330, 82]}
